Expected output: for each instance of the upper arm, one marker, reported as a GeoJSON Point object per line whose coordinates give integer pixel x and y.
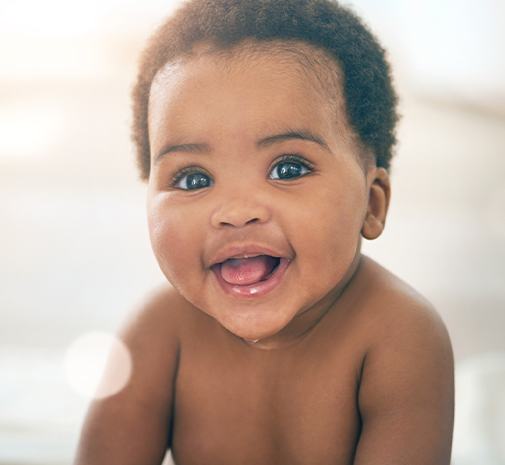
{"type": "Point", "coordinates": [133, 426]}
{"type": "Point", "coordinates": [406, 395]}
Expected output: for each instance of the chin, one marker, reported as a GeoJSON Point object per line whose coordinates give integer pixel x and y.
{"type": "Point", "coordinates": [253, 326]}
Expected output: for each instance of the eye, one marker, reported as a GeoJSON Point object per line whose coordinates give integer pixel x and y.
{"type": "Point", "coordinates": [289, 167]}
{"type": "Point", "coordinates": [191, 179]}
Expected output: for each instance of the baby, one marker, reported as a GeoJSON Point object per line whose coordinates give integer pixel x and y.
{"type": "Point", "coordinates": [264, 130]}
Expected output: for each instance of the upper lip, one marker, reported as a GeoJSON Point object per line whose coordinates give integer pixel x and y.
{"type": "Point", "coordinates": [244, 250]}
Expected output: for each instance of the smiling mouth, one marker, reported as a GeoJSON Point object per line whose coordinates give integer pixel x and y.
{"type": "Point", "coordinates": [250, 276]}
{"type": "Point", "coordinates": [248, 270]}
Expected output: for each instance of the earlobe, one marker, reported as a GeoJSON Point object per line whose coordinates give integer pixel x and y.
{"type": "Point", "coordinates": [378, 202]}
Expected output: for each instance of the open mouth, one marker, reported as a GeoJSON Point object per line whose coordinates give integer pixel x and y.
{"type": "Point", "coordinates": [250, 276]}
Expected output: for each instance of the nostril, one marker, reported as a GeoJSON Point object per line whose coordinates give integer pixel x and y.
{"type": "Point", "coordinates": [239, 214]}
{"type": "Point", "coordinates": [238, 224]}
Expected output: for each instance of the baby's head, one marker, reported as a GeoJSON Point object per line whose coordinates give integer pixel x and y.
{"type": "Point", "coordinates": [265, 130]}
{"type": "Point", "coordinates": [338, 50]}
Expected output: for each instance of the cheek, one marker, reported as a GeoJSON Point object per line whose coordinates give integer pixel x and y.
{"type": "Point", "coordinates": [335, 212]}
{"type": "Point", "coordinates": [330, 228]}
{"type": "Point", "coordinates": [174, 239]}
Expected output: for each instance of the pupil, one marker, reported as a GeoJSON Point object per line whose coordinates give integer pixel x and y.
{"type": "Point", "coordinates": [289, 170]}
{"type": "Point", "coordinates": [197, 180]}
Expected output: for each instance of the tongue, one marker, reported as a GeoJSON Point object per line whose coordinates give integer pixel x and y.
{"type": "Point", "coordinates": [244, 271]}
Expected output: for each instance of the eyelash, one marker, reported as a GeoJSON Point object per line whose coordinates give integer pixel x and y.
{"type": "Point", "coordinates": [293, 158]}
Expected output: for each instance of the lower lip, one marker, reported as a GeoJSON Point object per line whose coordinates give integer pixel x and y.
{"type": "Point", "coordinates": [258, 289]}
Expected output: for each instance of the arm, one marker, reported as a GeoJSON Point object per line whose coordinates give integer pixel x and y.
{"type": "Point", "coordinates": [133, 426]}
{"type": "Point", "coordinates": [406, 395]}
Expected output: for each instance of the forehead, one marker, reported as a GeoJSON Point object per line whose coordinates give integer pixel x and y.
{"type": "Point", "coordinates": [253, 87]}
{"type": "Point", "coordinates": [320, 70]}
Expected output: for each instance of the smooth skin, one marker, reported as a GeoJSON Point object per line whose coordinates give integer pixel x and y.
{"type": "Point", "coordinates": [351, 366]}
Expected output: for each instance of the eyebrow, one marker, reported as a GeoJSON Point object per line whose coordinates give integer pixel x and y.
{"type": "Point", "coordinates": [188, 148]}
{"type": "Point", "coordinates": [291, 134]}
{"type": "Point", "coordinates": [300, 134]}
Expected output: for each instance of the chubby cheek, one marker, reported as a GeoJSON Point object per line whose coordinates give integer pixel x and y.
{"type": "Point", "coordinates": [329, 234]}
{"type": "Point", "coordinates": [174, 241]}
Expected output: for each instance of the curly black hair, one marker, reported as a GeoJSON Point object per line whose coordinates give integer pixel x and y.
{"type": "Point", "coordinates": [370, 98]}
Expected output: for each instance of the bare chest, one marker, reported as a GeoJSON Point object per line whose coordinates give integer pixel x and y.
{"type": "Point", "coordinates": [290, 407]}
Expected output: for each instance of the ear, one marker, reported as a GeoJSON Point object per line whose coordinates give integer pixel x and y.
{"type": "Point", "coordinates": [379, 194]}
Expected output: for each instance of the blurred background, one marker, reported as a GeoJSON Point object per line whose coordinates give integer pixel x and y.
{"type": "Point", "coordinates": [74, 251]}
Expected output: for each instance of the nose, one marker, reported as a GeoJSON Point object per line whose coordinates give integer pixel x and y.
{"type": "Point", "coordinates": [239, 212]}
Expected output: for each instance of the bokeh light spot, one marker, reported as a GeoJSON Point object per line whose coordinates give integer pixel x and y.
{"type": "Point", "coordinates": [97, 365]}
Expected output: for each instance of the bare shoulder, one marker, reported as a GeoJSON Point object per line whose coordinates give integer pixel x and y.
{"type": "Point", "coordinates": [159, 323]}
{"type": "Point", "coordinates": [134, 425]}
{"type": "Point", "coordinates": [406, 393]}
{"type": "Point", "coordinates": [160, 314]}
{"type": "Point", "coordinates": [393, 309]}
{"type": "Point", "coordinates": [400, 323]}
